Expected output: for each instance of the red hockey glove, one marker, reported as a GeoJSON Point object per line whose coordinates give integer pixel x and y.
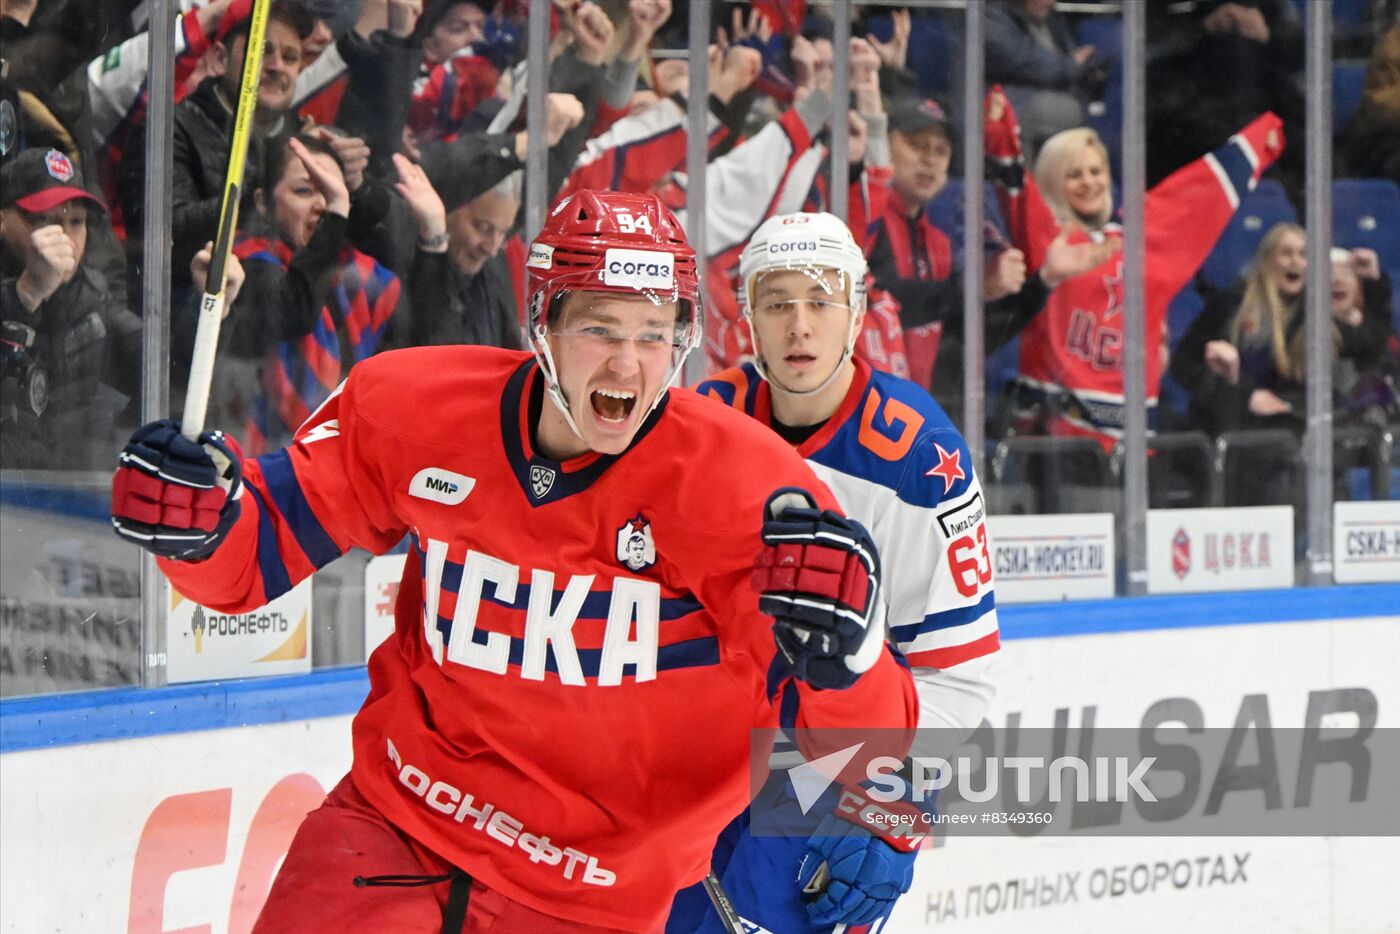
{"type": "Point", "coordinates": [173, 497]}
{"type": "Point", "coordinates": [818, 576]}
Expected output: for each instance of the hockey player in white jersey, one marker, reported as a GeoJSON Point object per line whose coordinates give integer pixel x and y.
{"type": "Point", "coordinates": [895, 461]}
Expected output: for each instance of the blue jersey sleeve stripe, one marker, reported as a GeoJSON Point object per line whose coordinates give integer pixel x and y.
{"type": "Point", "coordinates": [595, 605]}
{"type": "Point", "coordinates": [276, 581]}
{"type": "Point", "coordinates": [945, 619]}
{"type": "Point", "coordinates": [283, 486]}
{"type": "Point", "coordinates": [682, 653]}
{"type": "Point", "coordinates": [690, 653]}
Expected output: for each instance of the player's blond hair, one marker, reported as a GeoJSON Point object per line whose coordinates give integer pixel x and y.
{"type": "Point", "coordinates": [1053, 164]}
{"type": "Point", "coordinates": [1264, 313]}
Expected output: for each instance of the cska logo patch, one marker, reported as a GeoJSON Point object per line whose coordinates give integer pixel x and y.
{"type": "Point", "coordinates": [1181, 554]}
{"type": "Point", "coordinates": [541, 480]}
{"type": "Point", "coordinates": [635, 548]}
{"type": "Point", "coordinates": [58, 166]}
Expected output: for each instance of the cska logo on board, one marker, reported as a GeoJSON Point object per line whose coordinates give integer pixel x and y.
{"type": "Point", "coordinates": [541, 480]}
{"type": "Point", "coordinates": [635, 547]}
{"type": "Point", "coordinates": [1181, 554]}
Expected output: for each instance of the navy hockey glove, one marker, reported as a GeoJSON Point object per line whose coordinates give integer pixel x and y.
{"type": "Point", "coordinates": [860, 860]}
{"type": "Point", "coordinates": [818, 576]}
{"type": "Point", "coordinates": [174, 497]}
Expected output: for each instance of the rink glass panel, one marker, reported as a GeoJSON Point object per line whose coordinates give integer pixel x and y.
{"type": "Point", "coordinates": [74, 616]}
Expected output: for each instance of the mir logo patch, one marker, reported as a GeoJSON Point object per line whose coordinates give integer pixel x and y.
{"type": "Point", "coordinates": [440, 486]}
{"type": "Point", "coordinates": [541, 480]}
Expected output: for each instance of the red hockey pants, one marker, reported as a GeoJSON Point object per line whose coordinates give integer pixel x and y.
{"type": "Point", "coordinates": [346, 837]}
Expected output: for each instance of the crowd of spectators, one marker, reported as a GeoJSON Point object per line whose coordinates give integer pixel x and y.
{"type": "Point", "coordinates": [383, 201]}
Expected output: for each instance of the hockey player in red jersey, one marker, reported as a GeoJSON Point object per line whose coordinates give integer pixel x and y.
{"type": "Point", "coordinates": [1071, 377]}
{"type": "Point", "coordinates": [897, 463]}
{"type": "Point", "coordinates": [559, 726]}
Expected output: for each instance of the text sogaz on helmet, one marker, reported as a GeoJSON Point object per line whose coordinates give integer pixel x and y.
{"type": "Point", "coordinates": [811, 244]}
{"type": "Point", "coordinates": [603, 241]}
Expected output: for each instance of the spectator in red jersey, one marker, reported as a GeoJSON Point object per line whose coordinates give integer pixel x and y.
{"type": "Point", "coordinates": [1071, 364]}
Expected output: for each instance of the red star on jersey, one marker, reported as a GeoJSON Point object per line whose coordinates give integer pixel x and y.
{"type": "Point", "coordinates": [949, 467]}
{"type": "Point", "coordinates": [638, 523]}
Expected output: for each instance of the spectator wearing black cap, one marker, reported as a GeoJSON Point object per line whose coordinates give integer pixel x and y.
{"type": "Point", "coordinates": [913, 260]}
{"type": "Point", "coordinates": [65, 334]}
{"type": "Point", "coordinates": [71, 350]}
{"type": "Point", "coordinates": [203, 124]}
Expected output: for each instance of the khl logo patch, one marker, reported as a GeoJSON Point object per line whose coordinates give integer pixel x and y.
{"type": "Point", "coordinates": [541, 480]}
{"type": "Point", "coordinates": [635, 547]}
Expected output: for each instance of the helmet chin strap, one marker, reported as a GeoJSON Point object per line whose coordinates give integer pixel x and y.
{"type": "Point", "coordinates": [545, 358]}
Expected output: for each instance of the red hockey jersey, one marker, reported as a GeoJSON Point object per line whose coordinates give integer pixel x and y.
{"type": "Point", "coordinates": [1071, 353]}
{"type": "Point", "coordinates": [564, 707]}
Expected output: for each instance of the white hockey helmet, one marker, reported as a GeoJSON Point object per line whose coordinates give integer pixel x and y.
{"type": "Point", "coordinates": [811, 244]}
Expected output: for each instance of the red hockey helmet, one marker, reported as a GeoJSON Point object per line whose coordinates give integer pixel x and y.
{"type": "Point", "coordinates": [605, 241]}
{"type": "Point", "coordinates": [588, 243]}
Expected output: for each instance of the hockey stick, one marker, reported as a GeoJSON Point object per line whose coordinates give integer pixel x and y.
{"type": "Point", "coordinates": [733, 924]}
{"type": "Point", "coordinates": [211, 306]}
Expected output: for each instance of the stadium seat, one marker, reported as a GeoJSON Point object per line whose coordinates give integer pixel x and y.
{"type": "Point", "coordinates": [1390, 460]}
{"type": "Point", "coordinates": [1052, 475]}
{"type": "Point", "coordinates": [1104, 33]}
{"type": "Point", "coordinates": [1181, 312]}
{"type": "Point", "coordinates": [935, 49]}
{"type": "Point", "coordinates": [1259, 467]}
{"type": "Point", "coordinates": [1180, 470]}
{"type": "Point", "coordinates": [1259, 210]}
{"type": "Point", "coordinates": [1347, 78]}
{"type": "Point", "coordinates": [1359, 463]}
{"type": "Point", "coordinates": [945, 211]}
{"type": "Point", "coordinates": [1172, 398]}
{"type": "Point", "coordinates": [1366, 213]}
{"type": "Point", "coordinates": [1003, 363]}
{"type": "Point", "coordinates": [1348, 16]}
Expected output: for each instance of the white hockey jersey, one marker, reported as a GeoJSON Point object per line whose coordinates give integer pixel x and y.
{"type": "Point", "coordinates": [898, 464]}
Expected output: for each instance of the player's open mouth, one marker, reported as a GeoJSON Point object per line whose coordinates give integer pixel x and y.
{"type": "Point", "coordinates": [800, 360]}
{"type": "Point", "coordinates": [1293, 277]}
{"type": "Point", "coordinates": [613, 405]}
